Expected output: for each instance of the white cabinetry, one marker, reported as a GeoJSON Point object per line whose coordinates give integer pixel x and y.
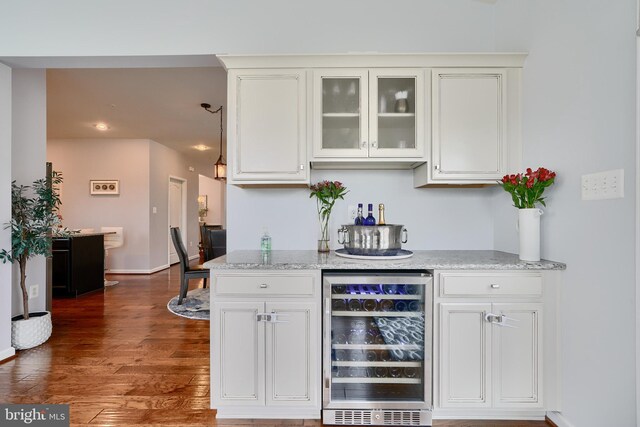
{"type": "Point", "coordinates": [265, 344]}
{"type": "Point", "coordinates": [267, 127]}
{"type": "Point", "coordinates": [356, 115]}
{"type": "Point", "coordinates": [489, 346]}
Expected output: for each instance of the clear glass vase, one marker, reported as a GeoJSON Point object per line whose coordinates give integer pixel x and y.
{"type": "Point", "coordinates": [323, 240]}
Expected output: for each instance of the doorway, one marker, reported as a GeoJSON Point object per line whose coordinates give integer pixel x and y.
{"type": "Point", "coordinates": [177, 213]}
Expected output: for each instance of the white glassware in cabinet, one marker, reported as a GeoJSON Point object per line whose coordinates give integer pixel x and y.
{"type": "Point", "coordinates": [267, 127]}
{"type": "Point", "coordinates": [366, 114]}
{"type": "Point", "coordinates": [465, 355]}
{"type": "Point", "coordinates": [470, 126]}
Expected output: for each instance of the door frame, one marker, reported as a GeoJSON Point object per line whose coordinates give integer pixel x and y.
{"type": "Point", "coordinates": [183, 222]}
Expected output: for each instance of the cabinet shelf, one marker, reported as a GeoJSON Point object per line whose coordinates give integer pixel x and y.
{"type": "Point", "coordinates": [391, 115]}
{"type": "Point", "coordinates": [339, 115]}
{"type": "Point", "coordinates": [385, 364]}
{"type": "Point", "coordinates": [377, 347]}
{"type": "Point", "coordinates": [377, 380]}
{"type": "Point", "coordinates": [376, 296]}
{"type": "Point", "coordinates": [378, 313]}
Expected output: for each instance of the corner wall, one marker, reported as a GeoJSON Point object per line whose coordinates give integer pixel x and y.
{"type": "Point", "coordinates": [579, 114]}
{"type": "Point", "coordinates": [5, 211]}
{"type": "Point", "coordinates": [28, 163]}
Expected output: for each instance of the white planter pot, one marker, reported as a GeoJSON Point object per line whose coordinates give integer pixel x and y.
{"type": "Point", "coordinates": [31, 332]}
{"type": "Point", "coordinates": [529, 229]}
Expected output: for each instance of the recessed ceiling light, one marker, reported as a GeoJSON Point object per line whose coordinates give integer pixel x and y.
{"type": "Point", "coordinates": [101, 126]}
{"type": "Point", "coordinates": [202, 147]}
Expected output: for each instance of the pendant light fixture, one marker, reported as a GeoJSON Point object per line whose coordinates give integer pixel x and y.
{"type": "Point", "coordinates": [220, 172]}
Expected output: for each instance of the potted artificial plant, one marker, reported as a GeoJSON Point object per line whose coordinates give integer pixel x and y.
{"type": "Point", "coordinates": [34, 215]}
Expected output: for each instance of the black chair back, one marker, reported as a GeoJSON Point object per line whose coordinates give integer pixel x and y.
{"type": "Point", "coordinates": [218, 239]}
{"type": "Point", "coordinates": [176, 237]}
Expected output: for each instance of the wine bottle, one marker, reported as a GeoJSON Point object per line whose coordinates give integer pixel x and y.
{"type": "Point", "coordinates": [359, 218]}
{"type": "Point", "coordinates": [370, 220]}
{"type": "Point", "coordinates": [381, 214]}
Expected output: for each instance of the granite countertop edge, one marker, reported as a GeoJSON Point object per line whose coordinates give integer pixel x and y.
{"type": "Point", "coordinates": [422, 260]}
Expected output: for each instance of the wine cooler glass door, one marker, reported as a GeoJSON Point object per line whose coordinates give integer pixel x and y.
{"type": "Point", "coordinates": [377, 350]}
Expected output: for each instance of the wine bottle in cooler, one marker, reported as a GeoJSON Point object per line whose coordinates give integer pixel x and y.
{"type": "Point", "coordinates": [359, 219]}
{"type": "Point", "coordinates": [370, 220]}
{"type": "Point", "coordinates": [381, 220]}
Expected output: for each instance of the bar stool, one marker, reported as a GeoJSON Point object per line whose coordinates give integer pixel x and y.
{"type": "Point", "coordinates": [113, 239]}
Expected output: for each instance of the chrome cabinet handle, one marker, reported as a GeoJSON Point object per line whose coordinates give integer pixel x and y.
{"type": "Point", "coordinates": [263, 286]}
{"type": "Point", "coordinates": [436, 167]}
{"type": "Point", "coordinates": [301, 167]}
{"type": "Point", "coordinates": [273, 318]}
{"type": "Point", "coordinates": [495, 286]}
{"type": "Point", "coordinates": [374, 144]}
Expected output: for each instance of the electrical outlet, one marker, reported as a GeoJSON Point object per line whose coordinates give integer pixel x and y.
{"type": "Point", "coordinates": [603, 185]}
{"type": "Point", "coordinates": [190, 244]}
{"type": "Point", "coordinates": [352, 212]}
{"type": "Point", "coordinates": [33, 291]}
{"type": "Point", "coordinates": [154, 210]}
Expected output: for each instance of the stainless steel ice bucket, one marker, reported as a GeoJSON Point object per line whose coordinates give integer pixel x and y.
{"type": "Point", "coordinates": [376, 240]}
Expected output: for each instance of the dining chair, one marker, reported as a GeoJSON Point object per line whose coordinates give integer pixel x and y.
{"type": "Point", "coordinates": [187, 272]}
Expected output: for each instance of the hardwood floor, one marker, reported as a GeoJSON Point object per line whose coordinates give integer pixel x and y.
{"type": "Point", "coordinates": [120, 358]}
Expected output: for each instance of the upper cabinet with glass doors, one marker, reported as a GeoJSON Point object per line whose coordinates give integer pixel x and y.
{"type": "Point", "coordinates": [367, 114]}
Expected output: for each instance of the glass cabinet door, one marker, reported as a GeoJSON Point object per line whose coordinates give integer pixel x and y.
{"type": "Point", "coordinates": [340, 113]}
{"type": "Point", "coordinates": [396, 113]}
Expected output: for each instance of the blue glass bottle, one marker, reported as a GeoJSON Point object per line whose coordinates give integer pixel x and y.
{"type": "Point", "coordinates": [370, 220]}
{"type": "Point", "coordinates": [359, 218]}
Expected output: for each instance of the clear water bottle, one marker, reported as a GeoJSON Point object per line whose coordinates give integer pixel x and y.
{"type": "Point", "coordinates": [359, 219]}
{"type": "Point", "coordinates": [370, 220]}
{"type": "Point", "coordinates": [265, 241]}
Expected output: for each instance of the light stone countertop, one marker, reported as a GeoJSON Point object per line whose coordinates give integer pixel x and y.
{"type": "Point", "coordinates": [421, 260]}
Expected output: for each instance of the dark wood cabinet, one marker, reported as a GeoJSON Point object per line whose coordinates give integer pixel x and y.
{"type": "Point", "coordinates": [78, 265]}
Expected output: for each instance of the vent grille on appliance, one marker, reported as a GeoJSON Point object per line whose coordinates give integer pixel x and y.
{"type": "Point", "coordinates": [353, 417]}
{"type": "Point", "coordinates": [387, 418]}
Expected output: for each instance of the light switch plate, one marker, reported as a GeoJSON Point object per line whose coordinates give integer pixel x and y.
{"type": "Point", "coordinates": [603, 185]}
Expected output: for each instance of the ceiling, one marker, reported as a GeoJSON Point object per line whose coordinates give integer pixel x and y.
{"type": "Point", "coordinates": [161, 104]}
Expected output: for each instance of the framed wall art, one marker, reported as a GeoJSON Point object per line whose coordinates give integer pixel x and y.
{"type": "Point", "coordinates": [104, 187]}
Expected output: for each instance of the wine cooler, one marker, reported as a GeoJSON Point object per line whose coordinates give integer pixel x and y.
{"type": "Point", "coordinates": [377, 356]}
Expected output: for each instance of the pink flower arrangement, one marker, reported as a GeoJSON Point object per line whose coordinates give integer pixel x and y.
{"type": "Point", "coordinates": [526, 189]}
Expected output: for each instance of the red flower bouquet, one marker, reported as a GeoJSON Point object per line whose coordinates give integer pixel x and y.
{"type": "Point", "coordinates": [526, 189]}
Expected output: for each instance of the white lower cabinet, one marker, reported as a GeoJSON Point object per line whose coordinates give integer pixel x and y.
{"type": "Point", "coordinates": [489, 347]}
{"type": "Point", "coordinates": [265, 345]}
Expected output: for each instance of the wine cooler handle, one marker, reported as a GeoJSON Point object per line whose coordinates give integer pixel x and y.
{"type": "Point", "coordinates": [405, 235]}
{"type": "Point", "coordinates": [327, 306]}
{"type": "Point", "coordinates": [343, 236]}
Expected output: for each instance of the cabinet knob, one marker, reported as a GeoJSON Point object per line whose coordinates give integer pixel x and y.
{"type": "Point", "coordinates": [436, 167]}
{"type": "Point", "coordinates": [301, 167]}
{"type": "Point", "coordinates": [264, 286]}
{"type": "Point", "coordinates": [495, 286]}
{"type": "Point", "coordinates": [374, 144]}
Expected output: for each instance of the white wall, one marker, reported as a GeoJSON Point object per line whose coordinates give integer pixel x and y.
{"type": "Point", "coordinates": [5, 211]}
{"type": "Point", "coordinates": [28, 163]}
{"type": "Point", "coordinates": [579, 117]}
{"type": "Point", "coordinates": [435, 218]}
{"type": "Point", "coordinates": [165, 162]}
{"type": "Point", "coordinates": [127, 160]}
{"type": "Point", "coordinates": [215, 192]}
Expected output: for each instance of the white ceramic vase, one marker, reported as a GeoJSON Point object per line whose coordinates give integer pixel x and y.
{"type": "Point", "coordinates": [31, 332]}
{"type": "Point", "coordinates": [529, 230]}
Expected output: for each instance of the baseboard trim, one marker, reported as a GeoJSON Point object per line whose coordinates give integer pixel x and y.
{"type": "Point", "coordinates": [558, 420]}
{"type": "Point", "coordinates": [192, 257]}
{"type": "Point", "coordinates": [132, 271]}
{"type": "Point", "coordinates": [6, 354]}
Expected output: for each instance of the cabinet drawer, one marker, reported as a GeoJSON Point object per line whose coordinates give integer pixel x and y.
{"type": "Point", "coordinates": [264, 285]}
{"type": "Point", "coordinates": [460, 285]}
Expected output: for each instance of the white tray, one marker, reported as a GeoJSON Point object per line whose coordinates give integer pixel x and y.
{"type": "Point", "coordinates": [402, 254]}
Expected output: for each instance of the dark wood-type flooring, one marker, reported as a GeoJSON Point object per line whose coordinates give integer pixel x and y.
{"type": "Point", "coordinates": [120, 358]}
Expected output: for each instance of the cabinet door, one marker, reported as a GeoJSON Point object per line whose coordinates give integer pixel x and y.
{"type": "Point", "coordinates": [396, 113]}
{"type": "Point", "coordinates": [517, 356]}
{"type": "Point", "coordinates": [469, 125]}
{"type": "Point", "coordinates": [340, 122]}
{"type": "Point", "coordinates": [237, 364]}
{"type": "Point", "coordinates": [293, 350]}
{"type": "Point", "coordinates": [267, 126]}
{"type": "Point", "coordinates": [465, 353]}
